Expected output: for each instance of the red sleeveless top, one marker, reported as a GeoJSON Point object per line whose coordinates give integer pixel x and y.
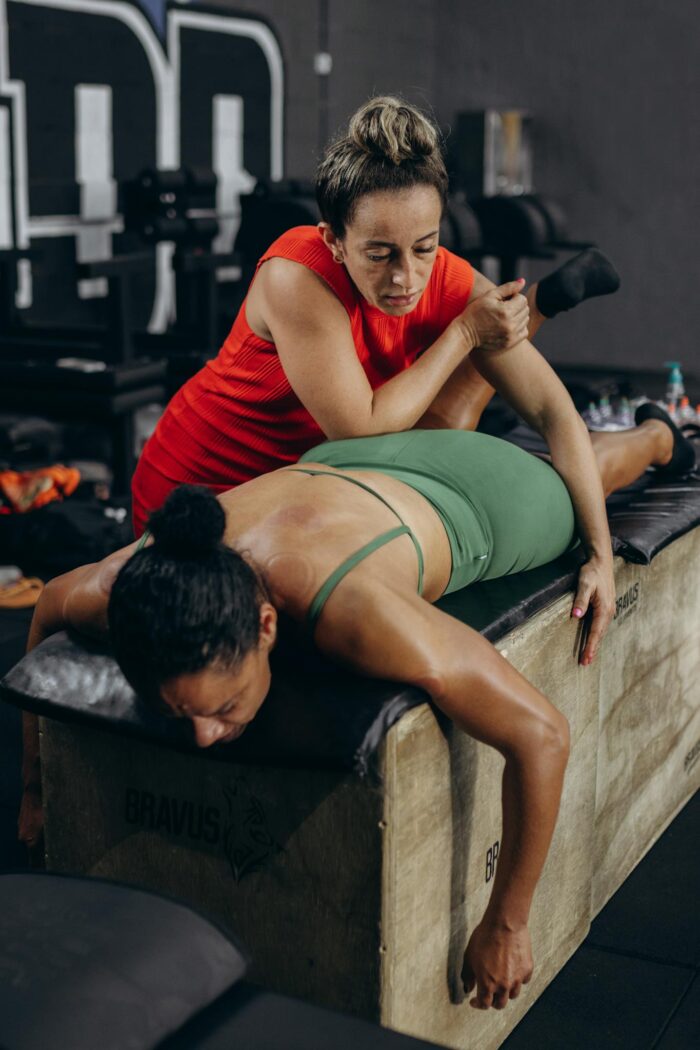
{"type": "Point", "coordinates": [238, 417]}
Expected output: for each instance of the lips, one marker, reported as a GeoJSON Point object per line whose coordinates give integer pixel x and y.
{"type": "Point", "coordinates": [232, 734]}
{"type": "Point", "coordinates": [401, 300]}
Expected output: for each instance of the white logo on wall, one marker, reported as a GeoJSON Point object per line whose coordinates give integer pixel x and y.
{"type": "Point", "coordinates": [89, 95]}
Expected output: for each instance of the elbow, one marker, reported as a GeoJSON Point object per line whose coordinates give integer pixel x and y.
{"type": "Point", "coordinates": [552, 739]}
{"type": "Point", "coordinates": [347, 429]}
{"type": "Point", "coordinates": [546, 739]}
{"type": "Point", "coordinates": [361, 424]}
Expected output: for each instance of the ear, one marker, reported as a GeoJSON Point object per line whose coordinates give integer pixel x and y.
{"type": "Point", "coordinates": [268, 626]}
{"type": "Point", "coordinates": [331, 241]}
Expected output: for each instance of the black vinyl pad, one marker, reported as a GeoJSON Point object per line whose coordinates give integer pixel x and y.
{"type": "Point", "coordinates": [93, 965]}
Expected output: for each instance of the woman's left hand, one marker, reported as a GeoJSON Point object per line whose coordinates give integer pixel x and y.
{"type": "Point", "coordinates": [596, 591]}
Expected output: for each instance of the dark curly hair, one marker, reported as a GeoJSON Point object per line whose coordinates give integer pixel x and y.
{"type": "Point", "coordinates": [186, 602]}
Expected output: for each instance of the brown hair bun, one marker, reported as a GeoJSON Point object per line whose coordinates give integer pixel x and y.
{"type": "Point", "coordinates": [389, 146]}
{"type": "Point", "coordinates": [388, 127]}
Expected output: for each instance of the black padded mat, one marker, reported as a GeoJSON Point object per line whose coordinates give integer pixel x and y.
{"type": "Point", "coordinates": [254, 1019]}
{"type": "Point", "coordinates": [642, 919]}
{"type": "Point", "coordinates": [584, 1007]}
{"type": "Point", "coordinates": [91, 964]}
{"type": "Point", "coordinates": [683, 1031]}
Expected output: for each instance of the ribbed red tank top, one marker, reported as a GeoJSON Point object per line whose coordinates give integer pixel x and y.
{"type": "Point", "coordinates": [238, 417]}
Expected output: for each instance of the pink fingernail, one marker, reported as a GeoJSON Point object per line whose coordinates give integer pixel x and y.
{"type": "Point", "coordinates": [578, 612]}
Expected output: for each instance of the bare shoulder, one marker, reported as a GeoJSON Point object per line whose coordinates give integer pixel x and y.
{"type": "Point", "coordinates": [107, 570]}
{"type": "Point", "coordinates": [386, 631]}
{"type": "Point", "coordinates": [86, 591]}
{"type": "Point", "coordinates": [287, 286]}
{"type": "Point", "coordinates": [291, 579]}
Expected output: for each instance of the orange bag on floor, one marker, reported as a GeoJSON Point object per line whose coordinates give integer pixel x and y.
{"type": "Point", "coordinates": [29, 489]}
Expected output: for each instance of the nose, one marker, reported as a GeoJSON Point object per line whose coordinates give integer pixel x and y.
{"type": "Point", "coordinates": [404, 275]}
{"type": "Point", "coordinates": [207, 731]}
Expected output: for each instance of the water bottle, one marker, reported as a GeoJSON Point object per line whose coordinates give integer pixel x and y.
{"type": "Point", "coordinates": [675, 388]}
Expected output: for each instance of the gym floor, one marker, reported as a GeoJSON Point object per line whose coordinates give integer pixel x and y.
{"type": "Point", "coordinates": [633, 985]}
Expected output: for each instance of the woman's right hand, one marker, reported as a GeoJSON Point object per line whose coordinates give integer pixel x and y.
{"type": "Point", "coordinates": [497, 963]}
{"type": "Point", "coordinates": [498, 319]}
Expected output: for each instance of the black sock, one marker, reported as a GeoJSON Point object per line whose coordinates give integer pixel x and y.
{"type": "Point", "coordinates": [587, 274]}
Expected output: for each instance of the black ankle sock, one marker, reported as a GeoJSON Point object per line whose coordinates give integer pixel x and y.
{"type": "Point", "coordinates": [682, 460]}
{"type": "Point", "coordinates": [587, 274]}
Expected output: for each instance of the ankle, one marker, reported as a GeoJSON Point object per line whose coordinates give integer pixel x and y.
{"type": "Point", "coordinates": [662, 439]}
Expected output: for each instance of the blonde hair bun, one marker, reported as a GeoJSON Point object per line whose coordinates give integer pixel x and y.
{"type": "Point", "coordinates": [388, 127]}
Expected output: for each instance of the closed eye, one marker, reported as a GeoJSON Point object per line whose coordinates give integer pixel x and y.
{"type": "Point", "coordinates": [418, 251]}
{"type": "Point", "coordinates": [227, 708]}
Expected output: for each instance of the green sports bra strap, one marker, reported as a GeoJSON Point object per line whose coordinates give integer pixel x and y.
{"type": "Point", "coordinates": [373, 492]}
{"type": "Point", "coordinates": [324, 592]}
{"type": "Point", "coordinates": [142, 542]}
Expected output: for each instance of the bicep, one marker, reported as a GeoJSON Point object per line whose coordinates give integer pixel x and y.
{"type": "Point", "coordinates": [311, 332]}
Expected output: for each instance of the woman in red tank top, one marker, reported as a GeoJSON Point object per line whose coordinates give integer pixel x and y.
{"type": "Point", "coordinates": [348, 329]}
{"type": "Point", "coordinates": [365, 326]}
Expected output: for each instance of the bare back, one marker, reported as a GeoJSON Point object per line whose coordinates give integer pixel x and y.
{"type": "Point", "coordinates": [297, 528]}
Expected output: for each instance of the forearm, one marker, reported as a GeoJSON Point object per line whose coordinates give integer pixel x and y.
{"type": "Point", "coordinates": [574, 460]}
{"type": "Point", "coordinates": [401, 402]}
{"type": "Point", "coordinates": [533, 737]}
{"type": "Point", "coordinates": [531, 791]}
{"type": "Point", "coordinates": [465, 395]}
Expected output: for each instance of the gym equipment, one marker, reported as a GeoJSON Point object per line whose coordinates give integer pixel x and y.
{"type": "Point", "coordinates": [459, 230]}
{"type": "Point", "coordinates": [267, 212]}
{"type": "Point", "coordinates": [377, 881]}
{"type": "Point", "coordinates": [492, 160]}
{"type": "Point", "coordinates": [178, 206]}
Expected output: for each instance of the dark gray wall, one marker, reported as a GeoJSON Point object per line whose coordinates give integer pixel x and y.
{"type": "Point", "coordinates": [613, 86]}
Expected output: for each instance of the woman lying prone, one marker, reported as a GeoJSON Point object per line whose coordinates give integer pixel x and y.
{"type": "Point", "coordinates": [357, 541]}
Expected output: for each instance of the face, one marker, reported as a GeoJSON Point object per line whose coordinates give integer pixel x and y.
{"type": "Point", "coordinates": [220, 703]}
{"type": "Point", "coordinates": [389, 248]}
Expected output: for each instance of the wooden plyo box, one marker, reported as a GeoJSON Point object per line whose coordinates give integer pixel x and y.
{"type": "Point", "coordinates": [649, 736]}
{"type": "Point", "coordinates": [357, 897]}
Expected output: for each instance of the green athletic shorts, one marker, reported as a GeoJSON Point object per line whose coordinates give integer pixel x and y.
{"type": "Point", "coordinates": [503, 509]}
